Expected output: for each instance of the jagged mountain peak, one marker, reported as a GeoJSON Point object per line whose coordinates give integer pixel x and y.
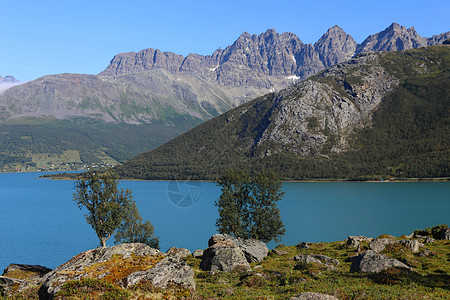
{"type": "Point", "coordinates": [393, 38]}
{"type": "Point", "coordinates": [335, 46]}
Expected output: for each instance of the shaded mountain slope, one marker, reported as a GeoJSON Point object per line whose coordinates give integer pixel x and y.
{"type": "Point", "coordinates": [376, 115]}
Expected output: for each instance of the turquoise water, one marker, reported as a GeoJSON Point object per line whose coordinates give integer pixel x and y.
{"type": "Point", "coordinates": [40, 223]}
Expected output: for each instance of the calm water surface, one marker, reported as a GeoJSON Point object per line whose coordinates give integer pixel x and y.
{"type": "Point", "coordinates": [40, 223]}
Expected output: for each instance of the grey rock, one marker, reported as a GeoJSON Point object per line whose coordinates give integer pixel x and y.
{"type": "Point", "coordinates": [178, 252]}
{"type": "Point", "coordinates": [328, 262]}
{"type": "Point", "coordinates": [379, 244]}
{"type": "Point", "coordinates": [372, 262]}
{"type": "Point", "coordinates": [224, 255]}
{"type": "Point", "coordinates": [74, 269]}
{"type": "Point", "coordinates": [414, 245]}
{"type": "Point", "coordinates": [445, 235]}
{"type": "Point", "coordinates": [313, 296]}
{"type": "Point", "coordinates": [170, 270]}
{"type": "Point", "coordinates": [254, 250]}
{"type": "Point", "coordinates": [197, 253]}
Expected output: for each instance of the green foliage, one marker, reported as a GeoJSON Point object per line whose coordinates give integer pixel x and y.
{"type": "Point", "coordinates": [89, 288]}
{"type": "Point", "coordinates": [132, 230]}
{"type": "Point", "coordinates": [105, 203]}
{"type": "Point", "coordinates": [434, 231]}
{"type": "Point", "coordinates": [247, 206]}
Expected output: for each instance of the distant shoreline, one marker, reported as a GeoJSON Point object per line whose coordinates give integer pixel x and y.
{"type": "Point", "coordinates": [328, 180]}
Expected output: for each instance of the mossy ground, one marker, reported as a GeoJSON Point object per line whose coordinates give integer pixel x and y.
{"type": "Point", "coordinates": [275, 278]}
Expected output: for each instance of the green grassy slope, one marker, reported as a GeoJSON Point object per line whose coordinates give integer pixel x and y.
{"type": "Point", "coordinates": [409, 136]}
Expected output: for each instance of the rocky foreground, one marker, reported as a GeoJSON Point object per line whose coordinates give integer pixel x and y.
{"type": "Point", "coordinates": [409, 267]}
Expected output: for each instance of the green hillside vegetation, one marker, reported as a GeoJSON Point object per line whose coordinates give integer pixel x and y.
{"type": "Point", "coordinates": [38, 144]}
{"type": "Point", "coordinates": [409, 136]}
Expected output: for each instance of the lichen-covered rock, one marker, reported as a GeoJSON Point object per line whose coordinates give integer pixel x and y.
{"type": "Point", "coordinates": [313, 296]}
{"type": "Point", "coordinates": [372, 262]}
{"type": "Point", "coordinates": [19, 277]}
{"type": "Point", "coordinates": [9, 286]}
{"type": "Point", "coordinates": [75, 268]}
{"type": "Point", "coordinates": [322, 260]}
{"type": "Point", "coordinates": [379, 244]}
{"type": "Point", "coordinates": [170, 270]}
{"type": "Point", "coordinates": [254, 250]}
{"type": "Point", "coordinates": [197, 253]}
{"type": "Point", "coordinates": [224, 255]}
{"type": "Point", "coordinates": [414, 245]}
{"type": "Point", "coordinates": [178, 252]}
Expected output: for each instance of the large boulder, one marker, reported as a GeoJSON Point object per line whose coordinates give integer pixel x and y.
{"type": "Point", "coordinates": [313, 296]}
{"type": "Point", "coordinates": [76, 268]}
{"type": "Point", "coordinates": [254, 250]}
{"type": "Point", "coordinates": [224, 255]}
{"type": "Point", "coordinates": [170, 270]}
{"type": "Point", "coordinates": [372, 262]}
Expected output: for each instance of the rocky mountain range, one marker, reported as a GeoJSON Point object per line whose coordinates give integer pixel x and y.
{"type": "Point", "coordinates": [168, 91]}
{"type": "Point", "coordinates": [377, 113]}
{"type": "Point", "coordinates": [139, 88]}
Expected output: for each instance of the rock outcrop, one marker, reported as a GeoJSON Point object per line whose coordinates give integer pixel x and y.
{"type": "Point", "coordinates": [94, 260]}
{"type": "Point", "coordinates": [170, 270]}
{"type": "Point", "coordinates": [225, 253]}
{"type": "Point", "coordinates": [19, 277]}
{"type": "Point", "coordinates": [372, 262]}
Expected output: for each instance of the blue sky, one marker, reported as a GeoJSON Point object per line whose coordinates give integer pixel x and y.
{"type": "Point", "coordinates": [49, 37]}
